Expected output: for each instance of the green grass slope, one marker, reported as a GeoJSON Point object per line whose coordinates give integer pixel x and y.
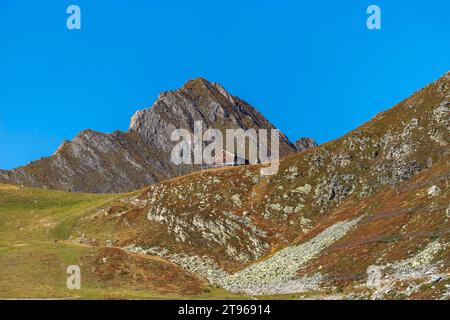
{"type": "Point", "coordinates": [34, 254]}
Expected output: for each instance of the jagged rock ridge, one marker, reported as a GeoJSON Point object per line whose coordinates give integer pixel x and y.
{"type": "Point", "coordinates": [125, 161]}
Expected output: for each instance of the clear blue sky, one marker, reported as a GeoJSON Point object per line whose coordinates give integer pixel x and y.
{"type": "Point", "coordinates": [311, 67]}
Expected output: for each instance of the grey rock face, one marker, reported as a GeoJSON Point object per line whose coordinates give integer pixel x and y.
{"type": "Point", "coordinates": [125, 161]}
{"type": "Point", "coordinates": [267, 277]}
{"type": "Point", "coordinates": [303, 144]}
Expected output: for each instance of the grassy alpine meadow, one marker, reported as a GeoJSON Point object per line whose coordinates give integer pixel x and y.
{"type": "Point", "coordinates": [34, 254]}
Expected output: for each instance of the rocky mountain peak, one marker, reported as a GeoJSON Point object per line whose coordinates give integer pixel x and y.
{"type": "Point", "coordinates": [193, 99]}
{"type": "Point", "coordinates": [199, 81]}
{"type": "Point", "coordinates": [125, 161]}
{"type": "Point", "coordinates": [224, 92]}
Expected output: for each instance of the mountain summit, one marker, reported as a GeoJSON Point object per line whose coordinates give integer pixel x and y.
{"type": "Point", "coordinates": [124, 161]}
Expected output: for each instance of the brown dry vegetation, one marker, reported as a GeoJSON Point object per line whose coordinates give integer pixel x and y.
{"type": "Point", "coordinates": [113, 267]}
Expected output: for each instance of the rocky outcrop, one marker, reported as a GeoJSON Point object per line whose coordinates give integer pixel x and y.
{"type": "Point", "coordinates": [125, 161]}
{"type": "Point", "coordinates": [303, 144]}
{"type": "Point", "coordinates": [265, 277]}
